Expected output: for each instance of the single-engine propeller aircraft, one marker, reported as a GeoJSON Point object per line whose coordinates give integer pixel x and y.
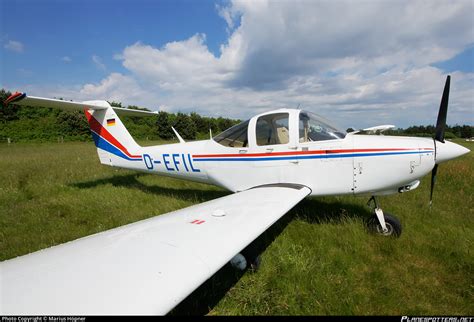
{"type": "Point", "coordinates": [271, 162]}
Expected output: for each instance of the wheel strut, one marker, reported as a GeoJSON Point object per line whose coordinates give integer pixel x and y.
{"type": "Point", "coordinates": [379, 213]}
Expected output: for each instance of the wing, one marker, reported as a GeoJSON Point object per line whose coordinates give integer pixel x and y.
{"type": "Point", "coordinates": [147, 267]}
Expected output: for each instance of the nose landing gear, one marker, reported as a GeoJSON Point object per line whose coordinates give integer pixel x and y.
{"type": "Point", "coordinates": [382, 223]}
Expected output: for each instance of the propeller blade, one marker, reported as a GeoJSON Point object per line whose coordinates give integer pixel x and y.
{"type": "Point", "coordinates": [443, 111]}
{"type": "Point", "coordinates": [433, 181]}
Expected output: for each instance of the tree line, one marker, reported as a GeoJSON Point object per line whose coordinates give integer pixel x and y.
{"type": "Point", "coordinates": [26, 124]}
{"type": "Point", "coordinates": [451, 132]}
{"type": "Point", "coordinates": [21, 123]}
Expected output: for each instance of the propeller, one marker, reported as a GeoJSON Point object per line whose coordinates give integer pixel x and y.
{"type": "Point", "coordinates": [440, 127]}
{"type": "Point", "coordinates": [433, 181]}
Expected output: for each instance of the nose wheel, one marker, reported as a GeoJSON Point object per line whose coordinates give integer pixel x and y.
{"type": "Point", "coordinates": [381, 223]}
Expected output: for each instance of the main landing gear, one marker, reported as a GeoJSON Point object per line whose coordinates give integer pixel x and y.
{"type": "Point", "coordinates": [383, 223]}
{"type": "Point", "coordinates": [242, 262]}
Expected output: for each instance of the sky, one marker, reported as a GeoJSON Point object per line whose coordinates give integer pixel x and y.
{"type": "Point", "coordinates": [359, 63]}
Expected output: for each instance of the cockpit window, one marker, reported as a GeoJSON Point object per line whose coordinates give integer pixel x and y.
{"type": "Point", "coordinates": [272, 129]}
{"type": "Point", "coordinates": [235, 137]}
{"type": "Point", "coordinates": [313, 127]}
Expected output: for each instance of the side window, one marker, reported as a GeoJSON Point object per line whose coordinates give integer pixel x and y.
{"type": "Point", "coordinates": [235, 137]}
{"type": "Point", "coordinates": [272, 129]}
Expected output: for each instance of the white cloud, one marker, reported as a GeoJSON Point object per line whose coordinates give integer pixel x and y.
{"type": "Point", "coordinates": [98, 62]}
{"type": "Point", "coordinates": [15, 46]}
{"type": "Point", "coordinates": [286, 38]}
{"type": "Point", "coordinates": [66, 59]}
{"type": "Point", "coordinates": [179, 64]}
{"type": "Point", "coordinates": [116, 87]}
{"type": "Point", "coordinates": [360, 63]}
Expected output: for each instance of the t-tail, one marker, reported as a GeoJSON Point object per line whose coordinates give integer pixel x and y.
{"type": "Point", "coordinates": [115, 145]}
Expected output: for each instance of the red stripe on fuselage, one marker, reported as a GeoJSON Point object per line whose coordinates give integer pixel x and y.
{"type": "Point", "coordinates": [300, 153]}
{"type": "Point", "coordinates": [101, 131]}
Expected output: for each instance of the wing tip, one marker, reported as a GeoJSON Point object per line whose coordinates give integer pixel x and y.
{"type": "Point", "coordinates": [18, 96]}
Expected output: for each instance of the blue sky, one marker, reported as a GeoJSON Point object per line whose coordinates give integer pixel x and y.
{"type": "Point", "coordinates": [360, 64]}
{"type": "Point", "coordinates": [464, 62]}
{"type": "Point", "coordinates": [51, 30]}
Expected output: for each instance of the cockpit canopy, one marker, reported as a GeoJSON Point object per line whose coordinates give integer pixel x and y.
{"type": "Point", "coordinates": [275, 128]}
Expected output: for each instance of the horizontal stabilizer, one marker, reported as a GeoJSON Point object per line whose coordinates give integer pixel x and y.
{"type": "Point", "coordinates": [24, 100]}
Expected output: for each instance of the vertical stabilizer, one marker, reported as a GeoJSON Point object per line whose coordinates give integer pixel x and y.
{"type": "Point", "coordinates": [115, 145]}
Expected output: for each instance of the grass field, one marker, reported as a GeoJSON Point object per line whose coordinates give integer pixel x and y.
{"type": "Point", "coordinates": [321, 260]}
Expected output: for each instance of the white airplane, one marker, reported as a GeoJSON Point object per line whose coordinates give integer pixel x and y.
{"type": "Point", "coordinates": [271, 162]}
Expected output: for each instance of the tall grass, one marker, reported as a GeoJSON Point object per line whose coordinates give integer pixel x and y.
{"type": "Point", "coordinates": [323, 261]}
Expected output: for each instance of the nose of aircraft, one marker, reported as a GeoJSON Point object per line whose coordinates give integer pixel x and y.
{"type": "Point", "coordinates": [448, 150]}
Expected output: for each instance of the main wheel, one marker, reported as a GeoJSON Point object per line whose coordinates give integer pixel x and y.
{"type": "Point", "coordinates": [243, 261]}
{"type": "Point", "coordinates": [394, 227]}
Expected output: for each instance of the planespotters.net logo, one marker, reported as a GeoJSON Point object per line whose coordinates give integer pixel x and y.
{"type": "Point", "coordinates": [437, 319]}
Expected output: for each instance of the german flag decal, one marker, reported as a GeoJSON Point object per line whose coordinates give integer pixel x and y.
{"type": "Point", "coordinates": [110, 122]}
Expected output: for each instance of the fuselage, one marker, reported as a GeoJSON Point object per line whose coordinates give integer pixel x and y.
{"type": "Point", "coordinates": [342, 164]}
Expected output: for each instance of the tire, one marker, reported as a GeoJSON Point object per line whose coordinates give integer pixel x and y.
{"type": "Point", "coordinates": [393, 225]}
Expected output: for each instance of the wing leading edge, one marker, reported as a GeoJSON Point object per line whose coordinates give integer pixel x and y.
{"type": "Point", "coordinates": [147, 267]}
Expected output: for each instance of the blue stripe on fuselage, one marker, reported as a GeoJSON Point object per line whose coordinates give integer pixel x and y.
{"type": "Point", "coordinates": [304, 157]}
{"type": "Point", "coordinates": [103, 144]}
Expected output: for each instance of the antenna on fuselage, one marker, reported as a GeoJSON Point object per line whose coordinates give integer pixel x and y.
{"type": "Point", "coordinates": [210, 133]}
{"type": "Point", "coordinates": [179, 136]}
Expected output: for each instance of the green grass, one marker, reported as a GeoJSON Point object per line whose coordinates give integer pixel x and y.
{"type": "Point", "coordinates": [322, 262]}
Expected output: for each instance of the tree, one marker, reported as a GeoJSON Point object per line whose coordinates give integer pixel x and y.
{"type": "Point", "coordinates": [202, 125]}
{"type": "Point", "coordinates": [164, 126]}
{"type": "Point", "coordinates": [134, 107]}
{"type": "Point", "coordinates": [7, 113]}
{"type": "Point", "coordinates": [72, 123]}
{"type": "Point", "coordinates": [223, 124]}
{"type": "Point", "coordinates": [115, 104]}
{"type": "Point", "coordinates": [185, 126]}
{"type": "Point", "coordinates": [467, 131]}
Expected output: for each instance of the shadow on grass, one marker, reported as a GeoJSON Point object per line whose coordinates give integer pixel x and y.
{"type": "Point", "coordinates": [208, 295]}
{"type": "Point", "coordinates": [317, 211]}
{"type": "Point", "coordinates": [131, 181]}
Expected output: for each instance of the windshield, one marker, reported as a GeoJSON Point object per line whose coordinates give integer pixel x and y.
{"type": "Point", "coordinates": [313, 127]}
{"type": "Point", "coordinates": [235, 137]}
